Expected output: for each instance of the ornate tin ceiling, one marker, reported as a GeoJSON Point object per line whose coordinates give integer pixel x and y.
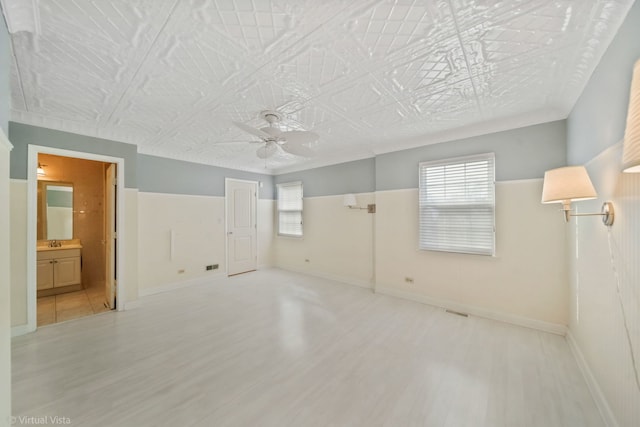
{"type": "Point", "coordinates": [368, 76]}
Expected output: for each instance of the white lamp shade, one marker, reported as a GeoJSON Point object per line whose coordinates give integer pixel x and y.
{"type": "Point", "coordinates": [349, 200]}
{"type": "Point", "coordinates": [568, 183]}
{"type": "Point", "coordinates": [631, 146]}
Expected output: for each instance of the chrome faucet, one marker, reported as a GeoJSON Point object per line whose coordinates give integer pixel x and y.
{"type": "Point", "coordinates": [55, 244]}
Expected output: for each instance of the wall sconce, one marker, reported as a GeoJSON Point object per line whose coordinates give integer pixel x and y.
{"type": "Point", "coordinates": [631, 145]}
{"type": "Point", "coordinates": [40, 170]}
{"type": "Point", "coordinates": [570, 184]}
{"type": "Point", "coordinates": [350, 202]}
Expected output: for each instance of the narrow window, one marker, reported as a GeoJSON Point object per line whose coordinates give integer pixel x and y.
{"type": "Point", "coordinates": [290, 209]}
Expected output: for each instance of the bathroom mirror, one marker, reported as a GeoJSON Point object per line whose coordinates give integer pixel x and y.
{"type": "Point", "coordinates": [55, 210]}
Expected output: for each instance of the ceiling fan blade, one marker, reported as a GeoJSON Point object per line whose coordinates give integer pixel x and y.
{"type": "Point", "coordinates": [274, 132]}
{"type": "Point", "coordinates": [300, 137]}
{"type": "Point", "coordinates": [268, 150]}
{"type": "Point", "coordinates": [240, 141]}
{"type": "Point", "coordinates": [252, 130]}
{"type": "Point", "coordinates": [297, 149]}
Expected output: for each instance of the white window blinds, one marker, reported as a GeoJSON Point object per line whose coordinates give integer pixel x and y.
{"type": "Point", "coordinates": [457, 205]}
{"type": "Point", "coordinates": [290, 209]}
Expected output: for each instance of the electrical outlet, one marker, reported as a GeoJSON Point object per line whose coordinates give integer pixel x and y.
{"type": "Point", "coordinates": [408, 279]}
{"type": "Point", "coordinates": [181, 271]}
{"type": "Point", "coordinates": [211, 267]}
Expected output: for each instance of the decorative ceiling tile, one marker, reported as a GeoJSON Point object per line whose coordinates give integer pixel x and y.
{"type": "Point", "coordinates": [367, 76]}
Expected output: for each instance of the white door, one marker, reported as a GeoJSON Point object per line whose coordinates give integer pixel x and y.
{"type": "Point", "coordinates": [111, 235]}
{"type": "Point", "coordinates": [241, 200]}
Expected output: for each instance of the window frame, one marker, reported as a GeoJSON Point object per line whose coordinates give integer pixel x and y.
{"type": "Point", "coordinates": [482, 204]}
{"type": "Point", "coordinates": [301, 210]}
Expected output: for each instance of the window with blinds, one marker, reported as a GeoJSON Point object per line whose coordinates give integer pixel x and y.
{"type": "Point", "coordinates": [457, 205]}
{"type": "Point", "coordinates": [290, 209]}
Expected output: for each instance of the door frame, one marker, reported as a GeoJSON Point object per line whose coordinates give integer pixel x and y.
{"type": "Point", "coordinates": [111, 233]}
{"type": "Point", "coordinates": [226, 224]}
{"type": "Point", "coordinates": [32, 218]}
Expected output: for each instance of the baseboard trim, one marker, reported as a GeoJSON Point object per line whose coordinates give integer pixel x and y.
{"type": "Point", "coordinates": [179, 285]}
{"type": "Point", "coordinates": [336, 278]}
{"type": "Point", "coordinates": [526, 322]}
{"type": "Point", "coordinates": [16, 331]}
{"type": "Point", "coordinates": [130, 305]}
{"type": "Point", "coordinates": [592, 384]}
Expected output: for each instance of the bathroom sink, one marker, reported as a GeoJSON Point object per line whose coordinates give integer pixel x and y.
{"type": "Point", "coordinates": [43, 245]}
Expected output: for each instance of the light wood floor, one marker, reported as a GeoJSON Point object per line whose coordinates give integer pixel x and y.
{"type": "Point", "coordinates": [273, 348]}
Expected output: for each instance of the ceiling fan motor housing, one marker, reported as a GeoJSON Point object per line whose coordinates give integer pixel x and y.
{"type": "Point", "coordinates": [271, 116]}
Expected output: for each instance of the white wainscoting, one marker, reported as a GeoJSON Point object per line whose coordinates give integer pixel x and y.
{"type": "Point", "coordinates": [527, 279]}
{"type": "Point", "coordinates": [474, 311]}
{"type": "Point", "coordinates": [592, 383]}
{"type": "Point", "coordinates": [181, 234]}
{"type": "Point", "coordinates": [337, 241]}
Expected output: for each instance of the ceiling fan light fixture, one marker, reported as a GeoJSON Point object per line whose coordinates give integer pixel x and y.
{"type": "Point", "coordinates": [294, 142]}
{"type": "Point", "coordinates": [268, 150]}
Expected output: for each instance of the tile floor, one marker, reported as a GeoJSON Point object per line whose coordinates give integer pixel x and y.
{"type": "Point", "coordinates": [62, 307]}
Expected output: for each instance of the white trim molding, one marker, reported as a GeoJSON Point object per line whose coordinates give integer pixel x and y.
{"type": "Point", "coordinates": [130, 305]}
{"type": "Point", "coordinates": [594, 388]}
{"type": "Point", "coordinates": [4, 141]}
{"type": "Point", "coordinates": [216, 277]}
{"type": "Point", "coordinates": [21, 15]}
{"type": "Point", "coordinates": [526, 322]}
{"type": "Point", "coordinates": [18, 330]}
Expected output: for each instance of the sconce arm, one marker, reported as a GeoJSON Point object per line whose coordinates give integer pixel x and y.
{"type": "Point", "coordinates": [371, 208]}
{"type": "Point", "coordinates": [607, 213]}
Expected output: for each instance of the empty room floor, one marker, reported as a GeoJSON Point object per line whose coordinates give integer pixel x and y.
{"type": "Point", "coordinates": [273, 348]}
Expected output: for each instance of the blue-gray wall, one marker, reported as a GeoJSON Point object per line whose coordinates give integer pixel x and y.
{"type": "Point", "coordinates": [162, 175]}
{"type": "Point", "coordinates": [147, 173]}
{"type": "Point", "coordinates": [522, 153]}
{"type": "Point", "coordinates": [5, 73]}
{"type": "Point", "coordinates": [598, 118]}
{"type": "Point", "coordinates": [22, 135]}
{"type": "Point", "coordinates": [350, 177]}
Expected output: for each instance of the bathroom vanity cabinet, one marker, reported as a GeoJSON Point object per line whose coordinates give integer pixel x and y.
{"type": "Point", "coordinates": [58, 271]}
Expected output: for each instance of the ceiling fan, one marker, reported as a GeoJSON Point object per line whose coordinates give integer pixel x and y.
{"type": "Point", "coordinates": [293, 142]}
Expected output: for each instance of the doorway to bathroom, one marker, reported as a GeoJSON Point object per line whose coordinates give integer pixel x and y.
{"type": "Point", "coordinates": [75, 272]}
{"type": "Point", "coordinates": [90, 258]}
